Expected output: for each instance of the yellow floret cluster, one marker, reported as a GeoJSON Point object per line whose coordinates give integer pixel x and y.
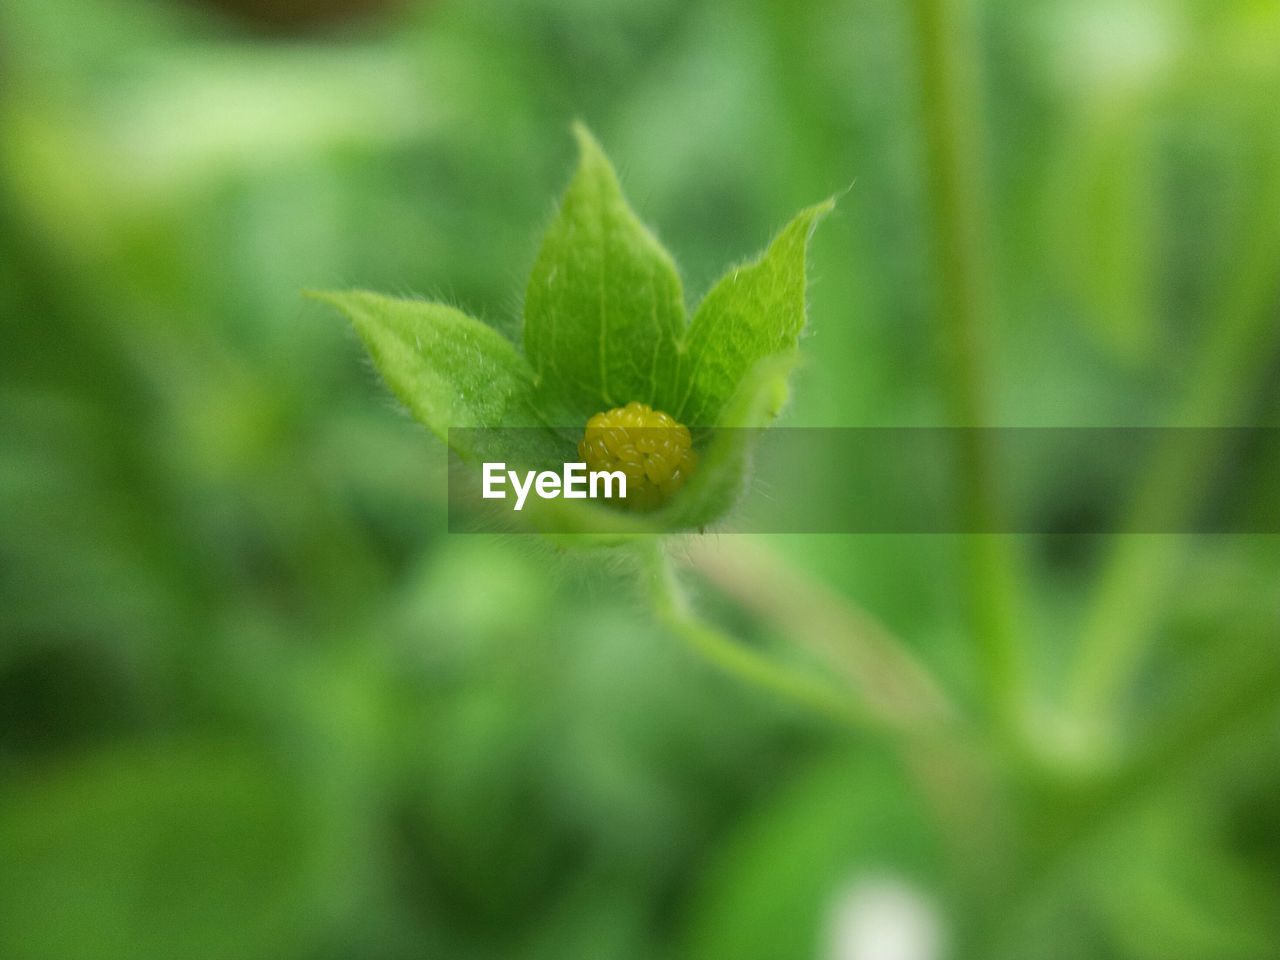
{"type": "Point", "coordinates": [653, 450]}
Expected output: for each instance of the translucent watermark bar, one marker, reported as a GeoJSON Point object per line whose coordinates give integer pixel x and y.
{"type": "Point", "coordinates": [1040, 480]}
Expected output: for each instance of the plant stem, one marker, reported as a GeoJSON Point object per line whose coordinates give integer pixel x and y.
{"type": "Point", "coordinates": [672, 608]}
{"type": "Point", "coordinates": [1240, 343]}
{"type": "Point", "coordinates": [886, 675]}
{"type": "Point", "coordinates": [1247, 704]}
{"type": "Point", "coordinates": [950, 129]}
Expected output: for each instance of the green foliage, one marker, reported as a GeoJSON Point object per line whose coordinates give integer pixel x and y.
{"type": "Point", "coordinates": [1174, 891]}
{"type": "Point", "coordinates": [755, 311]}
{"type": "Point", "coordinates": [845, 820]}
{"type": "Point", "coordinates": [755, 403]}
{"type": "Point", "coordinates": [447, 368]}
{"type": "Point", "coordinates": [213, 533]}
{"type": "Point", "coordinates": [604, 311]}
{"type": "Point", "coordinates": [195, 852]}
{"type": "Point", "coordinates": [604, 324]}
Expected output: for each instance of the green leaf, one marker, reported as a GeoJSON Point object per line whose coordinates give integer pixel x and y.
{"type": "Point", "coordinates": [604, 311]}
{"type": "Point", "coordinates": [753, 312]}
{"type": "Point", "coordinates": [449, 369]}
{"type": "Point", "coordinates": [721, 477]}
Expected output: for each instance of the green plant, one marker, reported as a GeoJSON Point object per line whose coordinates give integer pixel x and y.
{"type": "Point", "coordinates": [604, 325]}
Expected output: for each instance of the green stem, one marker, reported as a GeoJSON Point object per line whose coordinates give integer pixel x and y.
{"type": "Point", "coordinates": [1185, 745]}
{"type": "Point", "coordinates": [878, 666]}
{"type": "Point", "coordinates": [950, 128]}
{"type": "Point", "coordinates": [672, 607]}
{"type": "Point", "coordinates": [1241, 338]}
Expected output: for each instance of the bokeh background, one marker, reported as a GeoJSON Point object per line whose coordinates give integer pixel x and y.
{"type": "Point", "coordinates": [256, 703]}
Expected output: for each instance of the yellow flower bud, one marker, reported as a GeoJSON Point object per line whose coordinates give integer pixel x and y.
{"type": "Point", "coordinates": [653, 450]}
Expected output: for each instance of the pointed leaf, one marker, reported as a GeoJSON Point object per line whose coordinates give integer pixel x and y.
{"type": "Point", "coordinates": [754, 311]}
{"type": "Point", "coordinates": [449, 369]}
{"type": "Point", "coordinates": [604, 311]}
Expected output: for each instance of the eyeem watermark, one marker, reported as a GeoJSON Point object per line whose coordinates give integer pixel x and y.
{"type": "Point", "coordinates": [1049, 481]}
{"type": "Point", "coordinates": [575, 482]}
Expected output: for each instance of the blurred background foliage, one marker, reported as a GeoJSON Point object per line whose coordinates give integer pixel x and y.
{"type": "Point", "coordinates": [256, 703]}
